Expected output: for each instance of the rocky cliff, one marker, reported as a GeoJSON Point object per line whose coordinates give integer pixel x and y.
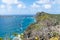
{"type": "Point", "coordinates": [46, 26]}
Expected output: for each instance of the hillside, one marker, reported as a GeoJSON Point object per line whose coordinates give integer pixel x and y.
{"type": "Point", "coordinates": [46, 27]}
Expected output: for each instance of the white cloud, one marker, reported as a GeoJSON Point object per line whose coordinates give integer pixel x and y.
{"type": "Point", "coordinates": [10, 1]}
{"type": "Point", "coordinates": [48, 1]}
{"type": "Point", "coordinates": [43, 1]}
{"type": "Point", "coordinates": [34, 5]}
{"type": "Point", "coordinates": [57, 1]}
{"type": "Point", "coordinates": [47, 6]}
{"type": "Point", "coordinates": [16, 2]}
{"type": "Point", "coordinates": [2, 6]}
{"type": "Point", "coordinates": [21, 6]}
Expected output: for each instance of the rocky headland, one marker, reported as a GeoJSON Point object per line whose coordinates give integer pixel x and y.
{"type": "Point", "coordinates": [46, 27]}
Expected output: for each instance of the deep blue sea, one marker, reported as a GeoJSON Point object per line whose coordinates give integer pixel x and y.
{"type": "Point", "coordinates": [14, 24]}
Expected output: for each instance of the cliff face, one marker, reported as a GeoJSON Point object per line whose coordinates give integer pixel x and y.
{"type": "Point", "coordinates": [45, 27]}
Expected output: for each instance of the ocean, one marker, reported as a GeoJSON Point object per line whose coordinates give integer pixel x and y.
{"type": "Point", "coordinates": [14, 24]}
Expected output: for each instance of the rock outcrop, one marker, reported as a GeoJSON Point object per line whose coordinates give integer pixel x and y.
{"type": "Point", "coordinates": [45, 27]}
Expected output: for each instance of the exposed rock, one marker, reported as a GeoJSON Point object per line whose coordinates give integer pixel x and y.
{"type": "Point", "coordinates": [47, 26]}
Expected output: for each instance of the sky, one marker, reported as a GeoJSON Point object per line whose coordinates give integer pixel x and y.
{"type": "Point", "coordinates": [29, 7]}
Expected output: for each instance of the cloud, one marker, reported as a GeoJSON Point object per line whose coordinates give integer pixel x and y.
{"type": "Point", "coordinates": [47, 6]}
{"type": "Point", "coordinates": [34, 5]}
{"type": "Point", "coordinates": [21, 6]}
{"type": "Point", "coordinates": [2, 6]}
{"type": "Point", "coordinates": [47, 1]}
{"type": "Point", "coordinates": [57, 1]}
{"type": "Point", "coordinates": [10, 1]}
{"type": "Point", "coordinates": [43, 1]}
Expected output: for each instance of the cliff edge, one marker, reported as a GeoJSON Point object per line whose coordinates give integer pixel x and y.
{"type": "Point", "coordinates": [46, 27]}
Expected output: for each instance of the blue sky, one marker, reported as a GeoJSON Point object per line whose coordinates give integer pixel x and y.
{"type": "Point", "coordinates": [28, 7]}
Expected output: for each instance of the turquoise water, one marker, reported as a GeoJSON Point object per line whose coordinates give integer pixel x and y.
{"type": "Point", "coordinates": [14, 24]}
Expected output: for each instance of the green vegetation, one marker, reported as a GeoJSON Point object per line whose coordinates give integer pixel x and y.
{"type": "Point", "coordinates": [46, 28]}
{"type": "Point", "coordinates": [1, 38]}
